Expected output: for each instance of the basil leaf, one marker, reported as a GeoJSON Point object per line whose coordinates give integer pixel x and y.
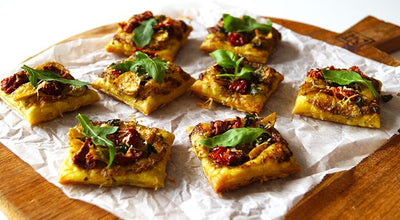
{"type": "Point", "coordinates": [225, 58]}
{"type": "Point", "coordinates": [246, 24]}
{"type": "Point", "coordinates": [144, 32]}
{"type": "Point", "coordinates": [233, 137]}
{"type": "Point", "coordinates": [99, 135]}
{"type": "Point", "coordinates": [229, 60]}
{"type": "Point", "coordinates": [154, 67]}
{"type": "Point", "coordinates": [346, 77]}
{"type": "Point", "coordinates": [245, 73]}
{"type": "Point", "coordinates": [47, 75]}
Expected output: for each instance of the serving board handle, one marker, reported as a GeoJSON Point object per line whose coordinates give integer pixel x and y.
{"type": "Point", "coordinates": [372, 32]}
{"type": "Point", "coordinates": [371, 37]}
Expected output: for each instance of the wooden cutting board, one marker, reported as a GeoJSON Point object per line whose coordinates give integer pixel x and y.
{"type": "Point", "coordinates": [369, 190]}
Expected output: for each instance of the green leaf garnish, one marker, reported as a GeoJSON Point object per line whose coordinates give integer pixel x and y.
{"type": "Point", "coordinates": [99, 135]}
{"type": "Point", "coordinates": [47, 75]}
{"type": "Point", "coordinates": [124, 66]}
{"type": "Point", "coordinates": [226, 59]}
{"type": "Point", "coordinates": [143, 64]}
{"type": "Point", "coordinates": [346, 77]}
{"type": "Point", "coordinates": [233, 137]}
{"type": "Point", "coordinates": [245, 73]}
{"type": "Point", "coordinates": [154, 67]}
{"type": "Point", "coordinates": [229, 60]}
{"type": "Point", "coordinates": [144, 32]}
{"type": "Point", "coordinates": [246, 24]}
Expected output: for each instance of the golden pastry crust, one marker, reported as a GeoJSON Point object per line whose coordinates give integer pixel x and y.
{"type": "Point", "coordinates": [169, 36]}
{"type": "Point", "coordinates": [36, 105]}
{"type": "Point", "coordinates": [351, 105]}
{"type": "Point", "coordinates": [258, 49]}
{"type": "Point", "coordinates": [268, 160]}
{"type": "Point", "coordinates": [208, 86]}
{"type": "Point", "coordinates": [142, 92]}
{"type": "Point", "coordinates": [147, 170]}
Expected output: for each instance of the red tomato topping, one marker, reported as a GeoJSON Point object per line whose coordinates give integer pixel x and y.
{"type": "Point", "coordinates": [227, 156]}
{"type": "Point", "coordinates": [237, 39]}
{"type": "Point", "coordinates": [240, 85]}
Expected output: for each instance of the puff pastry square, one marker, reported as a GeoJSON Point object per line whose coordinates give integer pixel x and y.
{"type": "Point", "coordinates": [141, 157]}
{"type": "Point", "coordinates": [169, 36]}
{"type": "Point", "coordinates": [258, 46]}
{"type": "Point", "coordinates": [140, 91]}
{"type": "Point", "coordinates": [48, 100]}
{"type": "Point", "coordinates": [352, 105]}
{"type": "Point", "coordinates": [269, 157]}
{"type": "Point", "coordinates": [243, 95]}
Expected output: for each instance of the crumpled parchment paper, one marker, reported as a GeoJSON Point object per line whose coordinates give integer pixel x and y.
{"type": "Point", "coordinates": [320, 147]}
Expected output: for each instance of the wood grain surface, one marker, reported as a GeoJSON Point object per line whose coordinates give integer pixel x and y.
{"type": "Point", "coordinates": [369, 190]}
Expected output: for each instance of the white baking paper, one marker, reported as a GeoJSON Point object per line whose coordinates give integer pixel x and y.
{"type": "Point", "coordinates": [320, 147]}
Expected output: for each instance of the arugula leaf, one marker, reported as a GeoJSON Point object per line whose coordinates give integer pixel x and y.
{"type": "Point", "coordinates": [99, 135]}
{"type": "Point", "coordinates": [346, 77]}
{"type": "Point", "coordinates": [233, 137]}
{"type": "Point", "coordinates": [124, 66]}
{"type": "Point", "coordinates": [144, 32]}
{"type": "Point", "coordinates": [154, 67]}
{"type": "Point", "coordinates": [47, 75]}
{"type": "Point", "coordinates": [246, 24]}
{"type": "Point", "coordinates": [229, 60]}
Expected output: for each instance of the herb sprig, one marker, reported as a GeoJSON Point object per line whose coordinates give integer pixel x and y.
{"type": "Point", "coordinates": [144, 32]}
{"type": "Point", "coordinates": [346, 77]}
{"type": "Point", "coordinates": [35, 75]}
{"type": "Point", "coordinates": [99, 135]}
{"type": "Point", "coordinates": [229, 60]}
{"type": "Point", "coordinates": [246, 24]}
{"type": "Point", "coordinates": [143, 64]}
{"type": "Point", "coordinates": [233, 137]}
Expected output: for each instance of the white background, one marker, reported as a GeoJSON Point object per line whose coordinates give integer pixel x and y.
{"type": "Point", "coordinates": [27, 27]}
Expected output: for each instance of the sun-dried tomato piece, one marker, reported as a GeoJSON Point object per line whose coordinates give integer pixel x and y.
{"type": "Point", "coordinates": [130, 137]}
{"type": "Point", "coordinates": [84, 159]}
{"type": "Point", "coordinates": [52, 88]}
{"type": "Point", "coordinates": [342, 93]}
{"type": "Point", "coordinates": [227, 156]}
{"type": "Point", "coordinates": [135, 21]}
{"type": "Point", "coordinates": [80, 157]}
{"type": "Point", "coordinates": [356, 69]}
{"type": "Point", "coordinates": [167, 24]}
{"type": "Point", "coordinates": [90, 161]}
{"type": "Point", "coordinates": [317, 73]}
{"type": "Point", "coordinates": [10, 84]}
{"type": "Point", "coordinates": [219, 127]}
{"type": "Point", "coordinates": [239, 85]}
{"type": "Point", "coordinates": [51, 67]}
{"type": "Point", "coordinates": [237, 39]}
{"type": "Point", "coordinates": [116, 73]}
{"type": "Point", "coordinates": [150, 53]}
{"type": "Point", "coordinates": [131, 156]}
